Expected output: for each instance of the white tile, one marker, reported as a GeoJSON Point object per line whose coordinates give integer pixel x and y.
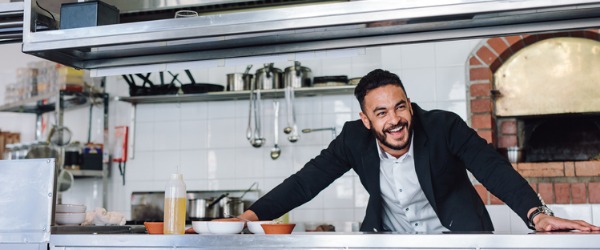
{"type": "Point", "coordinates": [340, 194]}
{"type": "Point", "coordinates": [144, 137]}
{"type": "Point", "coordinates": [363, 64]}
{"type": "Point", "coordinates": [270, 183]}
{"type": "Point", "coordinates": [359, 214]}
{"type": "Point", "coordinates": [166, 135]}
{"type": "Point", "coordinates": [517, 225]}
{"type": "Point", "coordinates": [193, 135]}
{"type": "Point", "coordinates": [316, 203]}
{"type": "Point", "coordinates": [500, 215]}
{"type": "Point", "coordinates": [140, 168]}
{"type": "Point", "coordinates": [194, 164]}
{"type": "Point", "coordinates": [220, 133]}
{"type": "Point", "coordinates": [222, 184]}
{"type": "Point", "coordinates": [195, 184]}
{"type": "Point", "coordinates": [419, 84]}
{"type": "Point", "coordinates": [420, 55]}
{"type": "Point", "coordinates": [450, 84]}
{"type": "Point", "coordinates": [332, 215]}
{"type": "Point", "coordinates": [336, 66]}
{"type": "Point", "coordinates": [337, 103]}
{"type": "Point", "coordinates": [218, 75]}
{"type": "Point", "coordinates": [595, 214]}
{"type": "Point", "coordinates": [194, 111]}
{"type": "Point", "coordinates": [344, 53]}
{"type": "Point", "coordinates": [167, 112]}
{"type": "Point", "coordinates": [165, 164]}
{"type": "Point", "coordinates": [281, 167]}
{"type": "Point", "coordinates": [248, 163]}
{"type": "Point", "coordinates": [573, 211]}
{"type": "Point", "coordinates": [227, 109]}
{"type": "Point", "coordinates": [454, 53]}
{"type": "Point", "coordinates": [303, 154]}
{"type": "Point", "coordinates": [144, 112]}
{"type": "Point", "coordinates": [458, 107]}
{"type": "Point", "coordinates": [336, 121]}
{"type": "Point", "coordinates": [427, 105]}
{"type": "Point", "coordinates": [299, 215]}
{"type": "Point", "coordinates": [221, 164]}
{"type": "Point", "coordinates": [391, 57]}
{"type": "Point", "coordinates": [361, 196]}
{"type": "Point", "coordinates": [302, 105]}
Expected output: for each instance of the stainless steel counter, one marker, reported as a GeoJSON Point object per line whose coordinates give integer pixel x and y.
{"type": "Point", "coordinates": [566, 240]}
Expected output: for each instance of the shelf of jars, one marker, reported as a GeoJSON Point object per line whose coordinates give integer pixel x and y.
{"type": "Point", "coordinates": [237, 95]}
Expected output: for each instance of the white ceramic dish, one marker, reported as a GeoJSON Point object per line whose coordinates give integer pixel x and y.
{"type": "Point", "coordinates": [200, 227]}
{"type": "Point", "coordinates": [69, 218]}
{"type": "Point", "coordinates": [70, 208]}
{"type": "Point", "coordinates": [225, 227]}
{"type": "Point", "coordinates": [255, 228]}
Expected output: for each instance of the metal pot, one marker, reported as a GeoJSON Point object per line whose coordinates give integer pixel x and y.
{"type": "Point", "coordinates": [239, 81]}
{"type": "Point", "coordinates": [298, 76]}
{"type": "Point", "coordinates": [232, 206]}
{"type": "Point", "coordinates": [205, 209]}
{"type": "Point", "coordinates": [269, 77]}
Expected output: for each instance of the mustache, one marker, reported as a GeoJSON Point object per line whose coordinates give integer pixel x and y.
{"type": "Point", "coordinates": [400, 123]}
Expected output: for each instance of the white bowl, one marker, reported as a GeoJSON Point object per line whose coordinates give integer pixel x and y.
{"type": "Point", "coordinates": [70, 208]}
{"type": "Point", "coordinates": [69, 218]}
{"type": "Point", "coordinates": [200, 227]}
{"type": "Point", "coordinates": [255, 228]}
{"type": "Point", "coordinates": [225, 227]}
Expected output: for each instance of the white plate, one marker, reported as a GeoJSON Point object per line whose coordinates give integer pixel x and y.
{"type": "Point", "coordinates": [255, 228]}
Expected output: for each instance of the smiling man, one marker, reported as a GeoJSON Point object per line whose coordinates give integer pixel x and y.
{"type": "Point", "coordinates": [413, 163]}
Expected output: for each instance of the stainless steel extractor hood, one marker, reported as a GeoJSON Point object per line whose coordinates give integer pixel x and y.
{"type": "Point", "coordinates": [11, 22]}
{"type": "Point", "coordinates": [306, 27]}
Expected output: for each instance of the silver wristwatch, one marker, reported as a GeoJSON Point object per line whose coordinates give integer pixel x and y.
{"type": "Point", "coordinates": [543, 209]}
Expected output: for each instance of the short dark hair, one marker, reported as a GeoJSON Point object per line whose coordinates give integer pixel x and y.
{"type": "Point", "coordinates": [373, 80]}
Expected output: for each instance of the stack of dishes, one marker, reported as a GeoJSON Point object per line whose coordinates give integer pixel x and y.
{"type": "Point", "coordinates": [69, 214]}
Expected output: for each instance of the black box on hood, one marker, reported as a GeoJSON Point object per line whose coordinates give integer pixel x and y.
{"type": "Point", "coordinates": [87, 14]}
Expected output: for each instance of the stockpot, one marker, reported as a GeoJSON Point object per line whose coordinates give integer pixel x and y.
{"type": "Point", "coordinates": [232, 206]}
{"type": "Point", "coordinates": [298, 76]}
{"type": "Point", "coordinates": [205, 208]}
{"type": "Point", "coordinates": [269, 77]}
{"type": "Point", "coordinates": [239, 81]}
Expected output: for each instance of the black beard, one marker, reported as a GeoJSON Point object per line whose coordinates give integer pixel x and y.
{"type": "Point", "coordinates": [381, 138]}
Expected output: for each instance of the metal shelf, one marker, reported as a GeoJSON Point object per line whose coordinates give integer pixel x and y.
{"type": "Point", "coordinates": [85, 172]}
{"type": "Point", "coordinates": [299, 29]}
{"type": "Point", "coordinates": [32, 105]}
{"type": "Point", "coordinates": [236, 95]}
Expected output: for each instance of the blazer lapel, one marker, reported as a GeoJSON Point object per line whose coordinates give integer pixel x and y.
{"type": "Point", "coordinates": [422, 166]}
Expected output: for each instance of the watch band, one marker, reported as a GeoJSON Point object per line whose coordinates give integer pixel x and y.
{"type": "Point", "coordinates": [543, 209]}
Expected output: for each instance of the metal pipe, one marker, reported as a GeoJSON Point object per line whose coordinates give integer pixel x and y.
{"type": "Point", "coordinates": [310, 130]}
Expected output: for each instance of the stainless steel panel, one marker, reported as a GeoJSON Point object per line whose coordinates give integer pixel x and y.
{"type": "Point", "coordinates": [553, 76]}
{"type": "Point", "coordinates": [332, 241]}
{"type": "Point", "coordinates": [301, 28]}
{"type": "Point", "coordinates": [26, 200]}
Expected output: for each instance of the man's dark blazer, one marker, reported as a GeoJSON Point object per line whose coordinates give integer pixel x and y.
{"type": "Point", "coordinates": [444, 148]}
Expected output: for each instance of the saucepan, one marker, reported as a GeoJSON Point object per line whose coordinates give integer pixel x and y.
{"type": "Point", "coordinates": [205, 208]}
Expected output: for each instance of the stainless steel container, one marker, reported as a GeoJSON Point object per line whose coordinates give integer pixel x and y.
{"type": "Point", "coordinates": [239, 81]}
{"type": "Point", "coordinates": [269, 77]}
{"type": "Point", "coordinates": [232, 206]}
{"type": "Point", "coordinates": [205, 208]}
{"type": "Point", "coordinates": [298, 76]}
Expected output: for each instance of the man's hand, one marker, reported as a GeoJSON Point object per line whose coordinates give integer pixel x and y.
{"type": "Point", "coordinates": [546, 223]}
{"type": "Point", "coordinates": [248, 215]}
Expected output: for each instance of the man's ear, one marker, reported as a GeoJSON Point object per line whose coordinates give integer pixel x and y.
{"type": "Point", "coordinates": [365, 120]}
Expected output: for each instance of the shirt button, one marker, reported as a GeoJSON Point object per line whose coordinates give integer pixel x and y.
{"type": "Point", "coordinates": [416, 224]}
{"type": "Point", "coordinates": [400, 190]}
{"type": "Point", "coordinates": [406, 209]}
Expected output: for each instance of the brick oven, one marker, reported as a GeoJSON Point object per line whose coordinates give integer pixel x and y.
{"type": "Point", "coordinates": [535, 95]}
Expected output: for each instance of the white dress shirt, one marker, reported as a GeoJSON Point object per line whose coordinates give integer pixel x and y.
{"type": "Point", "coordinates": [405, 207]}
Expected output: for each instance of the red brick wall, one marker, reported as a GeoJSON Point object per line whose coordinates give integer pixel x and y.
{"type": "Point", "coordinates": [557, 182]}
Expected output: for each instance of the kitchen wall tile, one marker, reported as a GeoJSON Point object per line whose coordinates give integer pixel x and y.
{"type": "Point", "coordinates": [270, 183]}
{"type": "Point", "coordinates": [338, 215]}
{"type": "Point", "coordinates": [315, 65]}
{"type": "Point", "coordinates": [420, 84]}
{"type": "Point", "coordinates": [166, 135]}
{"type": "Point", "coordinates": [500, 215]}
{"type": "Point", "coordinates": [340, 194]}
{"type": "Point", "coordinates": [222, 184]}
{"type": "Point", "coordinates": [458, 107]}
{"type": "Point", "coordinates": [337, 103]}
{"type": "Point", "coordinates": [427, 105]}
{"type": "Point", "coordinates": [391, 57]}
{"type": "Point", "coordinates": [303, 154]}
{"type": "Point", "coordinates": [454, 53]}
{"type": "Point", "coordinates": [595, 214]}
{"type": "Point", "coordinates": [336, 66]}
{"type": "Point", "coordinates": [193, 135]}
{"type": "Point", "coordinates": [221, 164]}
{"type": "Point", "coordinates": [218, 75]}
{"type": "Point", "coordinates": [249, 163]}
{"type": "Point", "coordinates": [193, 111]}
{"type": "Point", "coordinates": [517, 225]}
{"type": "Point", "coordinates": [140, 168]}
{"type": "Point", "coordinates": [144, 113]}
{"type": "Point", "coordinates": [316, 203]}
{"type": "Point", "coordinates": [85, 191]}
{"type": "Point", "coordinates": [195, 184]}
{"type": "Point", "coordinates": [194, 164]}
{"type": "Point", "coordinates": [450, 84]}
{"type": "Point", "coordinates": [306, 121]}
{"type": "Point", "coordinates": [166, 163]}
{"type": "Point", "coordinates": [344, 53]}
{"type": "Point", "coordinates": [303, 105]}
{"type": "Point", "coordinates": [573, 211]}
{"type": "Point", "coordinates": [306, 215]}
{"type": "Point", "coordinates": [144, 136]}
{"type": "Point", "coordinates": [218, 110]}
{"type": "Point", "coordinates": [280, 167]}
{"type": "Point", "coordinates": [167, 111]}
{"type": "Point", "coordinates": [361, 196]}
{"type": "Point", "coordinates": [421, 55]}
{"type": "Point", "coordinates": [365, 63]}
{"type": "Point", "coordinates": [334, 120]}
{"type": "Point", "coordinates": [359, 214]}
{"type": "Point", "coordinates": [220, 133]}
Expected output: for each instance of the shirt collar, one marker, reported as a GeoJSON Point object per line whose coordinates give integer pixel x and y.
{"type": "Point", "coordinates": [384, 155]}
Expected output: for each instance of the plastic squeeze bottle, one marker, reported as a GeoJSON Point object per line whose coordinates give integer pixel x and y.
{"type": "Point", "coordinates": [175, 199]}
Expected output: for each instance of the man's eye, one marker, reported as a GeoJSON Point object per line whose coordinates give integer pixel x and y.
{"type": "Point", "coordinates": [380, 114]}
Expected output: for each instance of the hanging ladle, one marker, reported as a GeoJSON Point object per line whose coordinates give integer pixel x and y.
{"type": "Point", "coordinates": [276, 151]}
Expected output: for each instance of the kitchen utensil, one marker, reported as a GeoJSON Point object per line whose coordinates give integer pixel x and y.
{"type": "Point", "coordinates": [310, 130]}
{"type": "Point", "coordinates": [197, 88]}
{"type": "Point", "coordinates": [278, 228]}
{"type": "Point", "coordinates": [205, 208]}
{"type": "Point", "coordinates": [249, 134]}
{"type": "Point", "coordinates": [258, 140]}
{"type": "Point", "coordinates": [298, 76]}
{"type": "Point", "coordinates": [60, 135]}
{"type": "Point", "coordinates": [154, 227]}
{"type": "Point", "coordinates": [225, 227]}
{"type": "Point", "coordinates": [354, 81]}
{"type": "Point", "coordinates": [227, 215]}
{"type": "Point", "coordinates": [240, 81]}
{"type": "Point", "coordinates": [232, 206]}
{"type": "Point", "coordinates": [64, 180]}
{"type": "Point", "coordinates": [291, 128]}
{"type": "Point", "coordinates": [248, 190]}
{"type": "Point", "coordinates": [185, 13]}
{"type": "Point", "coordinates": [276, 151]}
{"type": "Point", "coordinates": [268, 77]}
{"type": "Point", "coordinates": [329, 81]}
{"type": "Point", "coordinates": [255, 228]}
